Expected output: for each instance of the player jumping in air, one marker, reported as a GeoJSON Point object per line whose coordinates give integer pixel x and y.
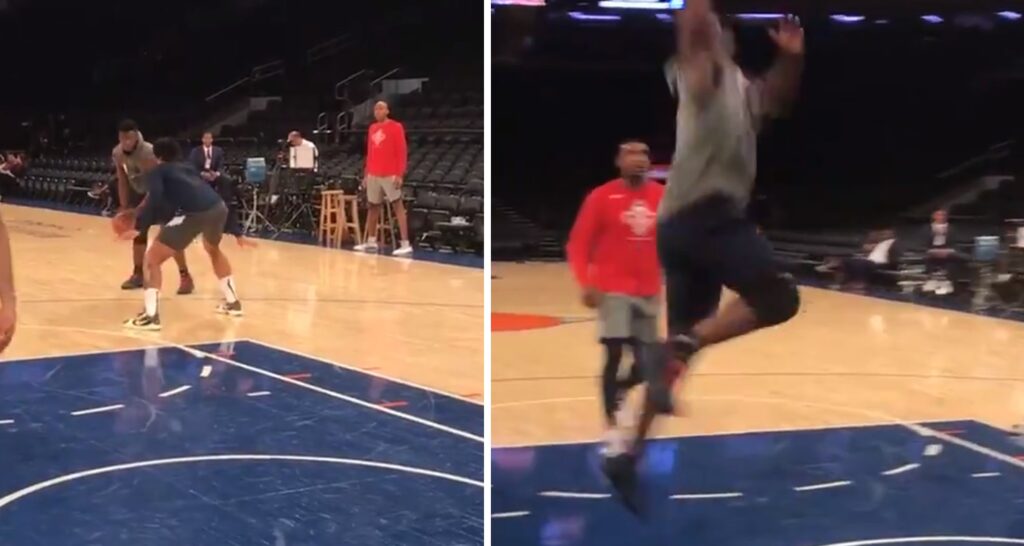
{"type": "Point", "coordinates": [705, 240]}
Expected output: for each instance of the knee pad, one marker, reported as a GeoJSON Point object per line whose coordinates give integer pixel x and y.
{"type": "Point", "coordinates": [142, 238]}
{"type": "Point", "coordinates": [774, 298]}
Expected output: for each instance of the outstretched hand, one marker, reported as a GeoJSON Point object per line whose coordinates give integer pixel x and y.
{"type": "Point", "coordinates": [789, 36]}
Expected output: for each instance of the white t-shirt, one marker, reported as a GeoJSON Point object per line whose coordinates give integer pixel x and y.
{"type": "Point", "coordinates": [880, 254]}
{"type": "Point", "coordinates": [306, 144]}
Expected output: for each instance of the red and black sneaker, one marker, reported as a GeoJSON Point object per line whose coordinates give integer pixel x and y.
{"type": "Point", "coordinates": [187, 286]}
{"type": "Point", "coordinates": [665, 364]}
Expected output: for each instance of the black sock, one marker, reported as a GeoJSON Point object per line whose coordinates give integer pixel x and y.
{"type": "Point", "coordinates": [610, 379]}
{"type": "Point", "coordinates": [137, 270]}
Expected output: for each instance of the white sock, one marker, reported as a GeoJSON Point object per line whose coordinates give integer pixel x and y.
{"type": "Point", "coordinates": [405, 244]}
{"type": "Point", "coordinates": [151, 298]}
{"type": "Point", "coordinates": [371, 240]}
{"type": "Point", "coordinates": [227, 286]}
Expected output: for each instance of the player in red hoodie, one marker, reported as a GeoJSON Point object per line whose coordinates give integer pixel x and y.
{"type": "Point", "coordinates": [613, 255]}
{"type": "Point", "coordinates": [386, 160]}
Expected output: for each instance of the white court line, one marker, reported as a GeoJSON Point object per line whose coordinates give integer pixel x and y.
{"type": "Point", "coordinates": [258, 393]}
{"type": "Point", "coordinates": [503, 515]}
{"type": "Point", "coordinates": [917, 427]}
{"type": "Point", "coordinates": [986, 475]}
{"type": "Point", "coordinates": [206, 371]}
{"type": "Point", "coordinates": [570, 495]}
{"type": "Point", "coordinates": [97, 410]}
{"type": "Point", "coordinates": [355, 369]}
{"type": "Point", "coordinates": [901, 469]}
{"type": "Point", "coordinates": [707, 496]}
{"type": "Point", "coordinates": [333, 394]}
{"type": "Point", "coordinates": [918, 540]}
{"type": "Point", "coordinates": [178, 390]}
{"type": "Point", "coordinates": [93, 352]}
{"type": "Point", "coordinates": [233, 457]}
{"type": "Point", "coordinates": [203, 354]}
{"type": "Point", "coordinates": [818, 486]}
{"type": "Point", "coordinates": [7, 422]}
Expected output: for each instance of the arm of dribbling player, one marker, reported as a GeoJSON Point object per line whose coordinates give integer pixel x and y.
{"type": "Point", "coordinates": [700, 71]}
{"type": "Point", "coordinates": [581, 241]}
{"type": "Point", "coordinates": [146, 214]}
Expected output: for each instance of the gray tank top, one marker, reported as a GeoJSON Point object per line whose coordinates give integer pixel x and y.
{"type": "Point", "coordinates": [716, 146]}
{"type": "Point", "coordinates": [131, 164]}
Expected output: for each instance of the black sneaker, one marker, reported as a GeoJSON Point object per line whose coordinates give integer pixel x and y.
{"type": "Point", "coordinates": [134, 282]}
{"type": "Point", "coordinates": [143, 322]}
{"type": "Point", "coordinates": [233, 309]}
{"type": "Point", "coordinates": [621, 472]}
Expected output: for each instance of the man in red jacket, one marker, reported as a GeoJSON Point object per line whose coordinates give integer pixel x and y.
{"type": "Point", "coordinates": [613, 255]}
{"type": "Point", "coordinates": [385, 168]}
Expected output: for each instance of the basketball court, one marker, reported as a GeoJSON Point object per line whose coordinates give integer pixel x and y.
{"type": "Point", "coordinates": [343, 408]}
{"type": "Point", "coordinates": [862, 421]}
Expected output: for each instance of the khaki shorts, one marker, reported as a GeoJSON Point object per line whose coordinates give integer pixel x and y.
{"type": "Point", "coordinates": [628, 317]}
{"type": "Point", "coordinates": [379, 187]}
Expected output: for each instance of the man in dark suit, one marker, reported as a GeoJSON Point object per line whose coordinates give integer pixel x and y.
{"type": "Point", "coordinates": [209, 161]}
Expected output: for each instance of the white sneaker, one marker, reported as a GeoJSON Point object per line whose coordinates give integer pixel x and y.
{"type": "Point", "coordinates": [403, 250]}
{"type": "Point", "coordinates": [945, 288]}
{"type": "Point", "coordinates": [369, 246]}
{"type": "Point", "coordinates": [930, 285]}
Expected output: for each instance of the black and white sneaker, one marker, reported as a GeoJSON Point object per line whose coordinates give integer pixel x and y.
{"type": "Point", "coordinates": [143, 322]}
{"type": "Point", "coordinates": [232, 309]}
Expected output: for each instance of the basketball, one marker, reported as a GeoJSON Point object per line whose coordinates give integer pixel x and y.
{"type": "Point", "coordinates": [123, 222]}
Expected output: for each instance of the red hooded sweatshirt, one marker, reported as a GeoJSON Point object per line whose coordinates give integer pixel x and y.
{"type": "Point", "coordinates": [612, 246]}
{"type": "Point", "coordinates": [385, 149]}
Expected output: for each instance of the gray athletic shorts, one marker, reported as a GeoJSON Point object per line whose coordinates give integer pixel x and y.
{"type": "Point", "coordinates": [628, 317]}
{"type": "Point", "coordinates": [183, 229]}
{"type": "Point", "coordinates": [379, 187]}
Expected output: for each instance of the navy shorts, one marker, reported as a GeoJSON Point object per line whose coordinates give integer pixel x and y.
{"type": "Point", "coordinates": [703, 247]}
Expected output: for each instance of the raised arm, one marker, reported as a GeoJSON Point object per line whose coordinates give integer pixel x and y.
{"type": "Point", "coordinates": [781, 84]}
{"type": "Point", "coordinates": [698, 44]}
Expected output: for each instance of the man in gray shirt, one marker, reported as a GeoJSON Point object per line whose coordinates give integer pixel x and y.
{"type": "Point", "coordinates": [133, 158]}
{"type": "Point", "coordinates": [705, 240]}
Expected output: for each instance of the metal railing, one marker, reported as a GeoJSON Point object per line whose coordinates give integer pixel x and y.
{"type": "Point", "coordinates": [341, 88]}
{"type": "Point", "coordinates": [227, 89]}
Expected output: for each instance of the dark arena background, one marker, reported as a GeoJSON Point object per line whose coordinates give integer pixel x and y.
{"type": "Point", "coordinates": [887, 411]}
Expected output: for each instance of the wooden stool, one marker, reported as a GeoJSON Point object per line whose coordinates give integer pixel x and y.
{"type": "Point", "coordinates": [385, 227]}
{"type": "Point", "coordinates": [350, 222]}
{"type": "Point", "coordinates": [332, 217]}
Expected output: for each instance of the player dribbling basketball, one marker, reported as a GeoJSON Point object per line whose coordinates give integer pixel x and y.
{"type": "Point", "coordinates": [174, 186]}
